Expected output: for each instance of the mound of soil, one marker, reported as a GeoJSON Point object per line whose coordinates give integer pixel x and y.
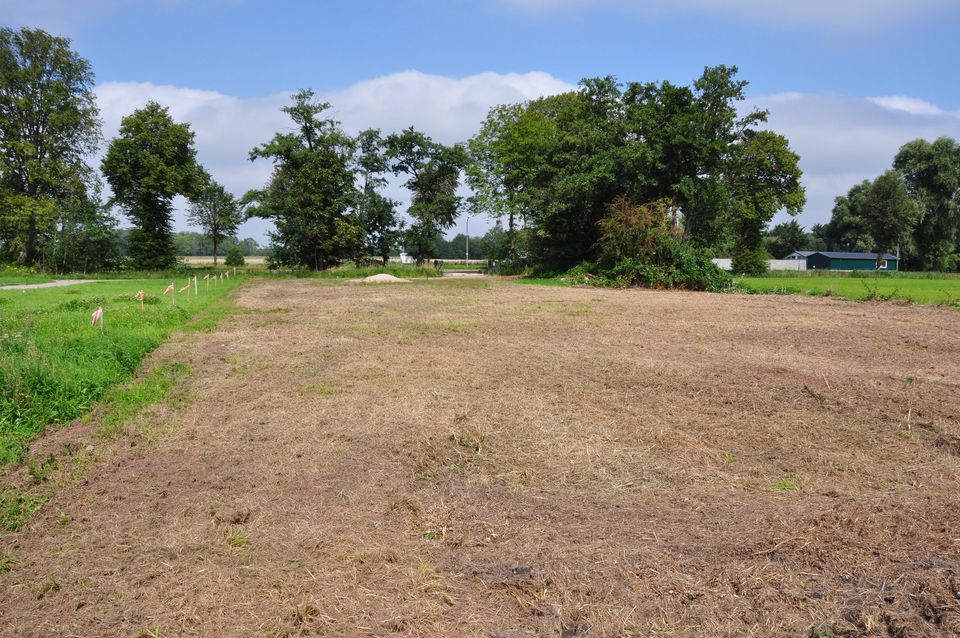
{"type": "Point", "coordinates": [384, 278]}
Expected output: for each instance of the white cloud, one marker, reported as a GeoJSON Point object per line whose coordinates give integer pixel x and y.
{"type": "Point", "coordinates": [830, 14]}
{"type": "Point", "coordinates": [843, 140]}
{"type": "Point", "coordinates": [907, 104]}
{"type": "Point", "coordinates": [226, 127]}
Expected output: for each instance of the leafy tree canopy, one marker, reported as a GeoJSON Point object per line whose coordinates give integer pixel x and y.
{"type": "Point", "coordinates": [151, 161]}
{"type": "Point", "coordinates": [433, 176]}
{"type": "Point", "coordinates": [215, 211]}
{"type": "Point", "coordinates": [48, 125]}
{"type": "Point", "coordinates": [311, 194]}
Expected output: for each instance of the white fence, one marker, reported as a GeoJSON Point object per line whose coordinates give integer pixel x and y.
{"type": "Point", "coordinates": [772, 264]}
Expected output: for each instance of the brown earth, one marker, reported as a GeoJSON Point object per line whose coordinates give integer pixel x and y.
{"type": "Point", "coordinates": [477, 458]}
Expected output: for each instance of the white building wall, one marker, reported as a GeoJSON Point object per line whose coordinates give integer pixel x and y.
{"type": "Point", "coordinates": [787, 264]}
{"type": "Point", "coordinates": [772, 264]}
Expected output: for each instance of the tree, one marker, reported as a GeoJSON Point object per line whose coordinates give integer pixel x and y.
{"type": "Point", "coordinates": [561, 161]}
{"type": "Point", "coordinates": [433, 172]}
{"type": "Point", "coordinates": [888, 212]}
{"type": "Point", "coordinates": [311, 194]}
{"type": "Point", "coordinates": [931, 172]}
{"type": "Point", "coordinates": [377, 213]}
{"type": "Point", "coordinates": [234, 257]}
{"type": "Point", "coordinates": [848, 230]}
{"type": "Point", "coordinates": [147, 165]}
{"type": "Point", "coordinates": [85, 236]}
{"type": "Point", "coordinates": [215, 211]}
{"type": "Point", "coordinates": [817, 238]}
{"type": "Point", "coordinates": [48, 125]}
{"type": "Point", "coordinates": [765, 178]}
{"type": "Point", "coordinates": [504, 157]}
{"type": "Point", "coordinates": [690, 136]}
{"type": "Point", "coordinates": [785, 238]}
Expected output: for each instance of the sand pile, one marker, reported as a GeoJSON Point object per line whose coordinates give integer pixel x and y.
{"type": "Point", "coordinates": [384, 278]}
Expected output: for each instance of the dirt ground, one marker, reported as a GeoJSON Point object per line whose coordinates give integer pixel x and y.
{"type": "Point", "coordinates": [482, 458]}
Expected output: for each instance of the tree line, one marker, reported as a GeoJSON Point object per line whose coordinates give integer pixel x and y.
{"type": "Point", "coordinates": [642, 181]}
{"type": "Point", "coordinates": [913, 209]}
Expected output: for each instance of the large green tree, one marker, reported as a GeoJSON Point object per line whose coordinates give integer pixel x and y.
{"type": "Point", "coordinates": [848, 230]}
{"type": "Point", "coordinates": [764, 178]}
{"type": "Point", "coordinates": [377, 214]}
{"type": "Point", "coordinates": [560, 161]}
{"type": "Point", "coordinates": [888, 212]}
{"type": "Point", "coordinates": [150, 162]}
{"type": "Point", "coordinates": [311, 195]}
{"type": "Point", "coordinates": [785, 238]}
{"type": "Point", "coordinates": [433, 176]}
{"type": "Point", "coordinates": [48, 126]}
{"type": "Point", "coordinates": [931, 172]}
{"type": "Point", "coordinates": [215, 211]}
{"type": "Point", "coordinates": [505, 156]}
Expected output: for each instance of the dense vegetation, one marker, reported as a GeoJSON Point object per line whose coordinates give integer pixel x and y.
{"type": "Point", "coordinates": [552, 168]}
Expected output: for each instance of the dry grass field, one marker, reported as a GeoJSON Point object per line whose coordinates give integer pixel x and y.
{"type": "Point", "coordinates": [478, 458]}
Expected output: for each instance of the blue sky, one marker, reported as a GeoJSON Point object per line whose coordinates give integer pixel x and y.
{"type": "Point", "coordinates": [847, 81]}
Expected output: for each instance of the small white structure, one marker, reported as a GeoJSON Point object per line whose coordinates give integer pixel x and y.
{"type": "Point", "coordinates": [724, 263]}
{"type": "Point", "coordinates": [405, 258]}
{"type": "Point", "coordinates": [772, 264]}
{"type": "Point", "coordinates": [787, 264]}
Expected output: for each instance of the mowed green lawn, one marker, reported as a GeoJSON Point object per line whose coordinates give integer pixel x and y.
{"type": "Point", "coordinates": [927, 288]}
{"type": "Point", "coordinates": [9, 277]}
{"type": "Point", "coordinates": [54, 364]}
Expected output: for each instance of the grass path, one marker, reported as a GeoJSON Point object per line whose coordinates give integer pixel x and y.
{"type": "Point", "coordinates": [471, 457]}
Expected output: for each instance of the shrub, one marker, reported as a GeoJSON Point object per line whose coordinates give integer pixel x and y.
{"type": "Point", "coordinates": [641, 245]}
{"type": "Point", "coordinates": [671, 264]}
{"type": "Point", "coordinates": [633, 231]}
{"type": "Point", "coordinates": [750, 262]}
{"type": "Point", "coordinates": [234, 257]}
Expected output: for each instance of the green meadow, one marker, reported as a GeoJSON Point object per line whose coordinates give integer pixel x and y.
{"type": "Point", "coordinates": [925, 288]}
{"type": "Point", "coordinates": [54, 365]}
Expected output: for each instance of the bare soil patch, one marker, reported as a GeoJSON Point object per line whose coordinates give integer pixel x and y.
{"type": "Point", "coordinates": [478, 458]}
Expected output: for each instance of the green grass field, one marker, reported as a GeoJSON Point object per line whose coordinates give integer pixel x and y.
{"type": "Point", "coordinates": [926, 288]}
{"type": "Point", "coordinates": [16, 276]}
{"type": "Point", "coordinates": [54, 365]}
{"type": "Point", "coordinates": [914, 287]}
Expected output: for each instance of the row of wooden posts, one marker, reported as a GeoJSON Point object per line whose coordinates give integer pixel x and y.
{"type": "Point", "coordinates": [97, 317]}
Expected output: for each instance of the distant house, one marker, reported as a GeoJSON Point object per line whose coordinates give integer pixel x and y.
{"type": "Point", "coordinates": [845, 261]}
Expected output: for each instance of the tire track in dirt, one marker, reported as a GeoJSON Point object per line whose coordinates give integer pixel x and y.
{"type": "Point", "coordinates": [474, 458]}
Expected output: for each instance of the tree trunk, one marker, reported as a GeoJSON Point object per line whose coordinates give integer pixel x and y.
{"type": "Point", "coordinates": [214, 252]}
{"type": "Point", "coordinates": [30, 250]}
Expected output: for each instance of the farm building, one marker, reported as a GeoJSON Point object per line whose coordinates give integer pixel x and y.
{"type": "Point", "coordinates": [816, 260]}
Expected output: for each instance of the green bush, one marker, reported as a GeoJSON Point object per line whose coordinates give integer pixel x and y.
{"type": "Point", "coordinates": [671, 263]}
{"type": "Point", "coordinates": [234, 257]}
{"type": "Point", "coordinates": [750, 262]}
